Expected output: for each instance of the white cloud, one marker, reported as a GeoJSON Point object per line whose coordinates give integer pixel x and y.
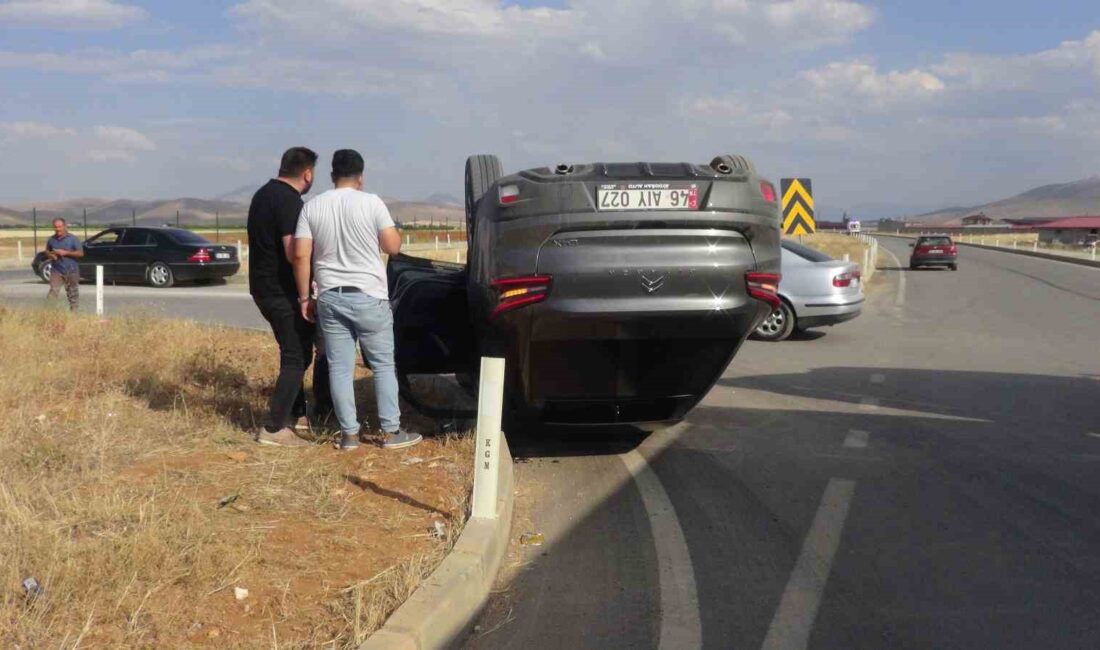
{"type": "Point", "coordinates": [70, 14]}
{"type": "Point", "coordinates": [35, 130]}
{"type": "Point", "coordinates": [118, 143]}
{"type": "Point", "coordinates": [1025, 71]}
{"type": "Point", "coordinates": [819, 21]}
{"type": "Point", "coordinates": [850, 80]}
{"type": "Point", "coordinates": [134, 66]}
{"type": "Point", "coordinates": [341, 18]}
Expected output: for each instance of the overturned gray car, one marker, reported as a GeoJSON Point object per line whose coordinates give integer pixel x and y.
{"type": "Point", "coordinates": [617, 292]}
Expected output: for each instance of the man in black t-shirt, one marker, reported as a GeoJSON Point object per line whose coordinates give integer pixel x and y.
{"type": "Point", "coordinates": [272, 218]}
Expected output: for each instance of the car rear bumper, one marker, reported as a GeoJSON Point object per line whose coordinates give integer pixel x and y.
{"type": "Point", "coordinates": [938, 260]}
{"type": "Point", "coordinates": [209, 271]}
{"type": "Point", "coordinates": [827, 310]}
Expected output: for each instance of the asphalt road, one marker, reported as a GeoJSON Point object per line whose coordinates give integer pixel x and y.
{"type": "Point", "coordinates": [227, 304]}
{"type": "Point", "coordinates": [926, 476]}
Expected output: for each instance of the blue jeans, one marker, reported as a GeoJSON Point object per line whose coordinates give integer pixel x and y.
{"type": "Point", "coordinates": [344, 319]}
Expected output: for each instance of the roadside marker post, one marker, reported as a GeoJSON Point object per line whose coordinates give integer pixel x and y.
{"type": "Point", "coordinates": [98, 289]}
{"type": "Point", "coordinates": [490, 408]}
{"type": "Point", "coordinates": [19, 249]}
{"type": "Point", "coordinates": [437, 242]}
{"type": "Point", "coordinates": [448, 240]}
{"type": "Point", "coordinates": [797, 206]}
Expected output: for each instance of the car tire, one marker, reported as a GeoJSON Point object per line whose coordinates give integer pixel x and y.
{"type": "Point", "coordinates": [734, 162]}
{"type": "Point", "coordinates": [954, 267]}
{"type": "Point", "coordinates": [159, 275]}
{"type": "Point", "coordinates": [481, 172]}
{"type": "Point", "coordinates": [912, 267]}
{"type": "Point", "coordinates": [44, 272]}
{"type": "Point", "coordinates": [778, 325]}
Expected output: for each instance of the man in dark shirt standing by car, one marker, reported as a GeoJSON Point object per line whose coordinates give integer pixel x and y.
{"type": "Point", "coordinates": [63, 250]}
{"type": "Point", "coordinates": [272, 218]}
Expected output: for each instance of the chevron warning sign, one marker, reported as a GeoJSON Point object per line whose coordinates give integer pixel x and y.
{"type": "Point", "coordinates": [798, 206]}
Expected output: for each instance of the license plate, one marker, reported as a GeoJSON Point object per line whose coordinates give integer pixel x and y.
{"type": "Point", "coordinates": [935, 251]}
{"type": "Point", "coordinates": [221, 256]}
{"type": "Point", "coordinates": [647, 196]}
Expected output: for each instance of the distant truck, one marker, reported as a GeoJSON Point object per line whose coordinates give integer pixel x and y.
{"type": "Point", "coordinates": [854, 228]}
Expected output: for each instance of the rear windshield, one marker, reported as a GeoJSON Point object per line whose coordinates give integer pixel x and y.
{"type": "Point", "coordinates": [935, 241]}
{"type": "Point", "coordinates": [805, 252]}
{"type": "Point", "coordinates": [187, 237]}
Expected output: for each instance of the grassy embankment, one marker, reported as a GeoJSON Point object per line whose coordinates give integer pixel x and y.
{"type": "Point", "coordinates": [131, 491]}
{"type": "Point", "coordinates": [836, 245]}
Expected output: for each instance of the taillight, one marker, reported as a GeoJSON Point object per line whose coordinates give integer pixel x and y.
{"type": "Point", "coordinates": [764, 286]}
{"type": "Point", "coordinates": [520, 291]}
{"type": "Point", "coordinates": [509, 194]}
{"type": "Point", "coordinates": [767, 190]}
{"type": "Point", "coordinates": [845, 279]}
{"type": "Point", "coordinates": [201, 255]}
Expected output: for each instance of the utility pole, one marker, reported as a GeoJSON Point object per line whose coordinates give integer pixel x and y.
{"type": "Point", "coordinates": [34, 217]}
{"type": "Point", "coordinates": [85, 223]}
{"type": "Point", "coordinates": [133, 216]}
{"type": "Point", "coordinates": [217, 227]}
{"type": "Point", "coordinates": [177, 218]}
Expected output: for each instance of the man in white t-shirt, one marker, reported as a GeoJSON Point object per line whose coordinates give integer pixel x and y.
{"type": "Point", "coordinates": [339, 242]}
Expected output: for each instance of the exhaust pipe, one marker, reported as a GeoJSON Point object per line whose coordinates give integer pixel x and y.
{"type": "Point", "coordinates": [563, 169]}
{"type": "Point", "coordinates": [720, 165]}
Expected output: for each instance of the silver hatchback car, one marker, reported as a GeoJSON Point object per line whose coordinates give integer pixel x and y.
{"type": "Point", "coordinates": [817, 291]}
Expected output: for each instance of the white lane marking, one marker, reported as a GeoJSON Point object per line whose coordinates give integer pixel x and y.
{"type": "Point", "coordinates": [793, 621]}
{"type": "Point", "coordinates": [878, 378]}
{"type": "Point", "coordinates": [856, 439]}
{"type": "Point", "coordinates": [900, 299]}
{"type": "Point", "coordinates": [1094, 435]}
{"type": "Point", "coordinates": [868, 403]}
{"type": "Point", "coordinates": [681, 626]}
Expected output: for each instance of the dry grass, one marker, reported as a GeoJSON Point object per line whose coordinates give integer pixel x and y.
{"type": "Point", "coordinates": [130, 490]}
{"type": "Point", "coordinates": [836, 245]}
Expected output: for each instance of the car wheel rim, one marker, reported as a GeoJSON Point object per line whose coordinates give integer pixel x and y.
{"type": "Point", "coordinates": [46, 271]}
{"type": "Point", "coordinates": [774, 323]}
{"type": "Point", "coordinates": [159, 274]}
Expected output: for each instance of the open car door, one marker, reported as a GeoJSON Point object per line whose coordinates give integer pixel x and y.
{"type": "Point", "coordinates": [432, 330]}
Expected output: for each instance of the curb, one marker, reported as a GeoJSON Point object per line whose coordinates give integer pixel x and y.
{"type": "Point", "coordinates": [445, 604]}
{"type": "Point", "coordinates": [1000, 249]}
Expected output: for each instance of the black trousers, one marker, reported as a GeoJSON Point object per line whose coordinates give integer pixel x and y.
{"type": "Point", "coordinates": [295, 337]}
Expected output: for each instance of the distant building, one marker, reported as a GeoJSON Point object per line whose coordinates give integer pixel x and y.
{"type": "Point", "coordinates": [977, 220]}
{"type": "Point", "coordinates": [1029, 222]}
{"type": "Point", "coordinates": [1073, 231]}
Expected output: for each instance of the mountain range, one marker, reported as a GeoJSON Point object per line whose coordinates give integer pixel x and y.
{"type": "Point", "coordinates": [1058, 200]}
{"type": "Point", "coordinates": [228, 209]}
{"type": "Point", "coordinates": [1078, 198]}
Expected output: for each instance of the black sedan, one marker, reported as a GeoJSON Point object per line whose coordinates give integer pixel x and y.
{"type": "Point", "coordinates": [159, 257]}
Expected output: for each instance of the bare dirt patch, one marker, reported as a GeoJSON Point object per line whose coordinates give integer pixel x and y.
{"type": "Point", "coordinates": [130, 490]}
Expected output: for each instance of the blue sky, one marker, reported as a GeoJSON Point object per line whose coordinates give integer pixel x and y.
{"type": "Point", "coordinates": [892, 106]}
